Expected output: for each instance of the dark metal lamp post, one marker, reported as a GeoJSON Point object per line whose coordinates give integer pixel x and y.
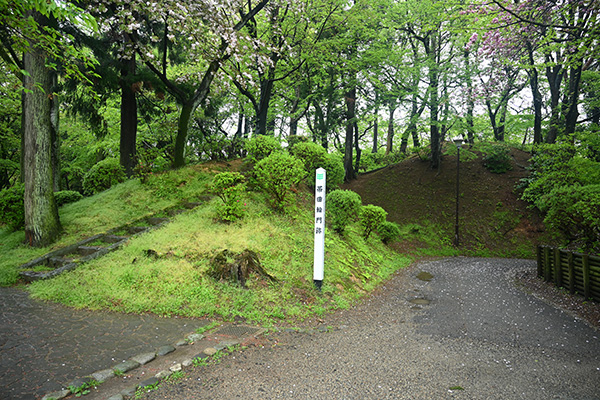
{"type": "Point", "coordinates": [458, 143]}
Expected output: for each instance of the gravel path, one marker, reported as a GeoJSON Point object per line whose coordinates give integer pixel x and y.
{"type": "Point", "coordinates": [468, 333]}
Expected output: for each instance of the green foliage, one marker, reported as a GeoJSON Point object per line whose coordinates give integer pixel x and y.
{"type": "Point", "coordinates": [84, 389]}
{"type": "Point", "coordinates": [371, 217]}
{"type": "Point", "coordinates": [388, 231]}
{"type": "Point", "coordinates": [230, 186]}
{"type": "Point", "coordinates": [67, 196]}
{"type": "Point", "coordinates": [278, 174]}
{"type": "Point", "coordinates": [565, 185]}
{"type": "Point", "coordinates": [311, 154]}
{"type": "Point", "coordinates": [554, 166]}
{"type": "Point", "coordinates": [260, 147]}
{"type": "Point", "coordinates": [342, 207]}
{"type": "Point", "coordinates": [575, 211]}
{"type": "Point", "coordinates": [293, 140]}
{"type": "Point", "coordinates": [102, 176]}
{"type": "Point", "coordinates": [334, 165]}
{"type": "Point", "coordinates": [496, 157]}
{"type": "Point", "coordinates": [12, 211]}
{"type": "Point", "coordinates": [314, 156]}
{"type": "Point", "coordinates": [10, 128]}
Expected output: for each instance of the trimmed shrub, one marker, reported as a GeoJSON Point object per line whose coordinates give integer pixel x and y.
{"type": "Point", "coordinates": [370, 218]}
{"type": "Point", "coordinates": [496, 157]}
{"type": "Point", "coordinates": [66, 196]}
{"type": "Point", "coordinates": [388, 231]}
{"type": "Point", "coordinates": [260, 147]}
{"type": "Point", "coordinates": [277, 175]}
{"type": "Point", "coordinates": [12, 209]}
{"type": "Point", "coordinates": [230, 186]}
{"type": "Point", "coordinates": [334, 165]}
{"type": "Point", "coordinates": [312, 155]}
{"type": "Point", "coordinates": [342, 207]}
{"type": "Point", "coordinates": [102, 176]}
{"type": "Point", "coordinates": [293, 140]}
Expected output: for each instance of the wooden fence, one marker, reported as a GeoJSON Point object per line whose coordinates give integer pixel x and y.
{"type": "Point", "coordinates": [579, 273]}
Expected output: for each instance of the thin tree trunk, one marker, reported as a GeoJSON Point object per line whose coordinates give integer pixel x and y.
{"type": "Point", "coordinates": [434, 127]}
{"type": "Point", "coordinates": [555, 76]}
{"type": "Point", "coordinates": [350, 99]}
{"type": "Point", "coordinates": [470, 101]}
{"type": "Point", "coordinates": [537, 97]}
{"type": "Point", "coordinates": [182, 134]}
{"type": "Point", "coordinates": [390, 132]}
{"type": "Point", "coordinates": [376, 124]}
{"type": "Point", "coordinates": [573, 99]}
{"type": "Point", "coordinates": [128, 136]}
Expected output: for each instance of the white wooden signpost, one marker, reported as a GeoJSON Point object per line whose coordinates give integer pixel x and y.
{"type": "Point", "coordinates": [319, 259]}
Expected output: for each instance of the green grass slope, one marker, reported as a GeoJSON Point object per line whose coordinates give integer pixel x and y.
{"type": "Point", "coordinates": [172, 279]}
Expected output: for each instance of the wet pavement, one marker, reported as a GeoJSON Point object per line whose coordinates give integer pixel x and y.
{"type": "Point", "coordinates": [44, 346]}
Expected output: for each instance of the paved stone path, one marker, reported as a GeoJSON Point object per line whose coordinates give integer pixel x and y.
{"type": "Point", "coordinates": [44, 346]}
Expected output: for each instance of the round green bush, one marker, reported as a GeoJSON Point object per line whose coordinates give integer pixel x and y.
{"type": "Point", "coordinates": [342, 207]}
{"type": "Point", "coordinates": [260, 147]}
{"type": "Point", "coordinates": [102, 176]}
{"type": "Point", "coordinates": [496, 157]}
{"type": "Point", "coordinates": [314, 156]}
{"type": "Point", "coordinates": [388, 231]}
{"type": "Point", "coordinates": [277, 175]}
{"type": "Point", "coordinates": [230, 187]}
{"type": "Point", "coordinates": [371, 217]}
{"type": "Point", "coordinates": [12, 211]}
{"type": "Point", "coordinates": [66, 196]}
{"type": "Point", "coordinates": [334, 165]}
{"type": "Point", "coordinates": [311, 154]}
{"type": "Point", "coordinates": [293, 140]}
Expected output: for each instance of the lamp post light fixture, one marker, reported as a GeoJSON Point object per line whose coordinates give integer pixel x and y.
{"type": "Point", "coordinates": [458, 142]}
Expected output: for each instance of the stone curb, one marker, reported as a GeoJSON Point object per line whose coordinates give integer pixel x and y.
{"type": "Point", "coordinates": [144, 358]}
{"type": "Point", "coordinates": [125, 366]}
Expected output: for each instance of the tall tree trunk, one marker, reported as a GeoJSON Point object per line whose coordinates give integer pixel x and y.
{"type": "Point", "coordinates": [555, 76]}
{"type": "Point", "coordinates": [240, 125]}
{"type": "Point", "coordinates": [42, 224]}
{"type": "Point", "coordinates": [357, 148]}
{"type": "Point", "coordinates": [128, 137]}
{"type": "Point", "coordinates": [573, 99]}
{"type": "Point", "coordinates": [501, 128]}
{"type": "Point", "coordinates": [182, 133]}
{"type": "Point", "coordinates": [470, 100]}
{"type": "Point", "coordinates": [376, 124]}
{"type": "Point", "coordinates": [390, 132]}
{"type": "Point", "coordinates": [350, 99]}
{"type": "Point", "coordinates": [434, 127]}
{"type": "Point", "coordinates": [537, 96]}
{"type": "Point", "coordinates": [262, 113]}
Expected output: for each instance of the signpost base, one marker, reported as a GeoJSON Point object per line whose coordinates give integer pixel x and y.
{"type": "Point", "coordinates": [318, 284]}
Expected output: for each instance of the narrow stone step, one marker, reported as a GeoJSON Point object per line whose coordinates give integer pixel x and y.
{"type": "Point", "coordinates": [57, 262]}
{"type": "Point", "coordinates": [157, 221]}
{"type": "Point", "coordinates": [88, 250]}
{"type": "Point", "coordinates": [113, 238]}
{"type": "Point", "coordinates": [137, 229]}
